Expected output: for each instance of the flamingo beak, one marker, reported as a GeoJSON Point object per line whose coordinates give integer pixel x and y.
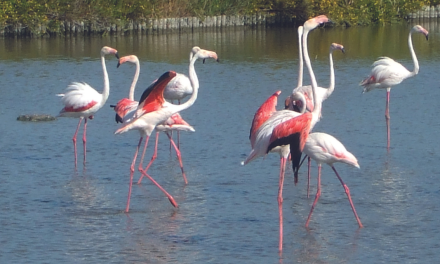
{"type": "Point", "coordinates": [343, 50]}
{"type": "Point", "coordinates": [117, 55]}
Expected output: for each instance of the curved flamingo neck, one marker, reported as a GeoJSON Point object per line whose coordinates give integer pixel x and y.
{"type": "Point", "coordinates": [413, 54]}
{"type": "Point", "coordinates": [135, 79]}
{"type": "Point", "coordinates": [300, 57]}
{"type": "Point", "coordinates": [106, 90]}
{"type": "Point", "coordinates": [194, 83]}
{"type": "Point", "coordinates": [331, 87]}
{"type": "Point", "coordinates": [317, 104]}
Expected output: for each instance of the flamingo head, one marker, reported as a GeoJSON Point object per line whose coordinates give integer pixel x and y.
{"type": "Point", "coordinates": [420, 29]}
{"type": "Point", "coordinates": [108, 50]}
{"type": "Point", "coordinates": [335, 46]}
{"type": "Point", "coordinates": [316, 21]}
{"type": "Point", "coordinates": [129, 58]}
{"type": "Point", "coordinates": [203, 54]}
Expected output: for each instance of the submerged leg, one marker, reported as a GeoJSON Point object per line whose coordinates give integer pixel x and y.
{"type": "Point", "coordinates": [179, 156]}
{"type": "Point", "coordinates": [170, 198]}
{"type": "Point", "coordinates": [318, 194]}
{"type": "Point", "coordinates": [347, 192]}
{"type": "Point", "coordinates": [85, 140]}
{"type": "Point", "coordinates": [74, 139]}
{"type": "Point", "coordinates": [387, 117]}
{"type": "Point", "coordinates": [127, 207]}
{"type": "Point", "coordinates": [152, 158]}
{"type": "Point", "coordinates": [280, 200]}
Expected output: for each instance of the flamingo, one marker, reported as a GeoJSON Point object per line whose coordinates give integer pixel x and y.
{"type": "Point", "coordinates": [387, 72]}
{"type": "Point", "coordinates": [179, 88]}
{"type": "Point", "coordinates": [82, 101]}
{"type": "Point", "coordinates": [287, 127]}
{"type": "Point", "coordinates": [152, 109]}
{"type": "Point", "coordinates": [126, 108]}
{"type": "Point", "coordinates": [323, 94]}
{"type": "Point", "coordinates": [174, 123]}
{"type": "Point", "coordinates": [324, 148]}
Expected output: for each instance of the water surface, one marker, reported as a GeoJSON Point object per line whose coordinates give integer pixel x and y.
{"type": "Point", "coordinates": [227, 213]}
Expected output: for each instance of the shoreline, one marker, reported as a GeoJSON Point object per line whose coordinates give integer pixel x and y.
{"type": "Point", "coordinates": [147, 26]}
{"type": "Point", "coordinates": [54, 28]}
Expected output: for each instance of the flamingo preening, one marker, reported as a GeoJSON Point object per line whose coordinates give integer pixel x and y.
{"type": "Point", "coordinates": [82, 101]}
{"type": "Point", "coordinates": [387, 72]}
{"type": "Point", "coordinates": [287, 127]}
{"type": "Point", "coordinates": [153, 110]}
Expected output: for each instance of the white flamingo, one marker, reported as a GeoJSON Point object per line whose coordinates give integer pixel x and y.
{"type": "Point", "coordinates": [82, 101]}
{"type": "Point", "coordinates": [387, 72]}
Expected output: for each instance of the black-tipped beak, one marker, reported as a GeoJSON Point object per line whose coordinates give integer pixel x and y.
{"type": "Point", "coordinates": [119, 64]}
{"type": "Point", "coordinates": [203, 61]}
{"type": "Point", "coordinates": [117, 55]}
{"type": "Point", "coordinates": [218, 60]}
{"type": "Point", "coordinates": [427, 37]}
{"type": "Point", "coordinates": [343, 50]}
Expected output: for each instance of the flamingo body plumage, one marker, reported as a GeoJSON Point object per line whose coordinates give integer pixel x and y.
{"type": "Point", "coordinates": [387, 73]}
{"type": "Point", "coordinates": [326, 149]}
{"type": "Point", "coordinates": [82, 101]}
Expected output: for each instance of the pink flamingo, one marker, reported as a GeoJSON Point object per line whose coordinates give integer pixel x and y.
{"type": "Point", "coordinates": [324, 148]}
{"type": "Point", "coordinates": [153, 110]}
{"type": "Point", "coordinates": [323, 94]}
{"type": "Point", "coordinates": [126, 108]}
{"type": "Point", "coordinates": [82, 101]}
{"type": "Point", "coordinates": [179, 88]}
{"type": "Point", "coordinates": [387, 72]}
{"type": "Point", "coordinates": [287, 127]}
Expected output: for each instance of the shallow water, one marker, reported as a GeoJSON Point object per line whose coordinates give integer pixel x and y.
{"type": "Point", "coordinates": [227, 213]}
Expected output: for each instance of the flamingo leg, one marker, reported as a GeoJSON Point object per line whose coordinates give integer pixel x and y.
{"type": "Point", "coordinates": [142, 158]}
{"type": "Point", "coordinates": [85, 140]}
{"type": "Point", "coordinates": [179, 156]}
{"type": "Point", "coordinates": [74, 138]}
{"type": "Point", "coordinates": [170, 198]}
{"type": "Point", "coordinates": [318, 194]}
{"type": "Point", "coordinates": [131, 175]}
{"type": "Point", "coordinates": [347, 192]}
{"type": "Point", "coordinates": [296, 171]}
{"type": "Point", "coordinates": [387, 117]}
{"type": "Point", "coordinates": [280, 200]}
{"type": "Point", "coordinates": [309, 165]}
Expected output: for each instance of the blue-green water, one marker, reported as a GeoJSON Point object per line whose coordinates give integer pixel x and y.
{"type": "Point", "coordinates": [228, 213]}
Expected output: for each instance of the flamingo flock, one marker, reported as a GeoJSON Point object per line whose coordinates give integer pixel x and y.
{"type": "Point", "coordinates": [288, 132]}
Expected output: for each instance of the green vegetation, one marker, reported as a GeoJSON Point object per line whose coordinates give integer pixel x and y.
{"type": "Point", "coordinates": [32, 13]}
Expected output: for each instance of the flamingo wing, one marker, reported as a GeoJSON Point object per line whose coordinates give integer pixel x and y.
{"type": "Point", "coordinates": [125, 109]}
{"type": "Point", "coordinates": [386, 72]}
{"type": "Point", "coordinates": [178, 88]}
{"type": "Point", "coordinates": [79, 97]}
{"type": "Point", "coordinates": [327, 149]}
{"type": "Point", "coordinates": [293, 132]}
{"type": "Point", "coordinates": [263, 113]}
{"type": "Point", "coordinates": [152, 98]}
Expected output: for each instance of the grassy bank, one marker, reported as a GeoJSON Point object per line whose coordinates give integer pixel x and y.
{"type": "Point", "coordinates": [51, 13]}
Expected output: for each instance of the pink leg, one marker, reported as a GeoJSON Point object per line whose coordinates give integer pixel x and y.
{"type": "Point", "coordinates": [172, 201]}
{"type": "Point", "coordinates": [152, 158]}
{"type": "Point", "coordinates": [179, 157]}
{"type": "Point", "coordinates": [280, 200]}
{"type": "Point", "coordinates": [309, 163]}
{"type": "Point", "coordinates": [318, 194]}
{"type": "Point", "coordinates": [347, 192]}
{"type": "Point", "coordinates": [387, 118]}
{"type": "Point", "coordinates": [131, 175]}
{"type": "Point", "coordinates": [85, 140]}
{"type": "Point", "coordinates": [74, 138]}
